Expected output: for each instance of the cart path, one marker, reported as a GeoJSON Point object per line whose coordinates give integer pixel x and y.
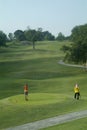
{"type": "Point", "coordinates": [72, 65]}
{"type": "Point", "coordinates": [51, 121]}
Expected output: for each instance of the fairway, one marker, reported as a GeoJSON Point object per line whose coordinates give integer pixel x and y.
{"type": "Point", "coordinates": [50, 84]}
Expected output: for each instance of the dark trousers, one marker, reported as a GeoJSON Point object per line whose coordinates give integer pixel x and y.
{"type": "Point", "coordinates": [76, 96]}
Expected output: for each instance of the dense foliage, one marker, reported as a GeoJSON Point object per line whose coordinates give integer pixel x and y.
{"type": "Point", "coordinates": [77, 52]}
{"type": "Point", "coordinates": [60, 37]}
{"type": "Point", "coordinates": [19, 35]}
{"type": "Point", "coordinates": [33, 35]}
{"type": "Point", "coordinates": [3, 39]}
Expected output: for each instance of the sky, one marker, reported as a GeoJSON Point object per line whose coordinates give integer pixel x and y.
{"type": "Point", "coordinates": [51, 15]}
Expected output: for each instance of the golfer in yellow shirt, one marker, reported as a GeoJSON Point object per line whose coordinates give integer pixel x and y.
{"type": "Point", "coordinates": [76, 91]}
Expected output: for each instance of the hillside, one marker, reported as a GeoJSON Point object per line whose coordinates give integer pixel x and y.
{"type": "Point", "coordinates": [50, 84]}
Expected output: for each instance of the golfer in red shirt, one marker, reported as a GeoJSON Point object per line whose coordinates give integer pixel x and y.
{"type": "Point", "coordinates": [26, 92]}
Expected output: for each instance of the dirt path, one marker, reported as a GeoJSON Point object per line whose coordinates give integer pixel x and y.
{"type": "Point", "coordinates": [51, 121]}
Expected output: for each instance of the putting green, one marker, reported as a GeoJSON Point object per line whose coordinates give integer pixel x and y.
{"type": "Point", "coordinates": [34, 99]}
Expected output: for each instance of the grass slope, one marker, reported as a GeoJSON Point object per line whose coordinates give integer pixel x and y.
{"type": "Point", "coordinates": [50, 84]}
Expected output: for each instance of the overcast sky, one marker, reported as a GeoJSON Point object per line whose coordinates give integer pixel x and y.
{"type": "Point", "coordinates": [52, 15]}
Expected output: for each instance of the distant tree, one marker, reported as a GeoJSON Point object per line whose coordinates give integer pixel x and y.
{"type": "Point", "coordinates": [48, 36]}
{"type": "Point", "coordinates": [37, 35]}
{"type": "Point", "coordinates": [11, 36]}
{"type": "Point", "coordinates": [39, 29]}
{"type": "Point", "coordinates": [3, 39]}
{"type": "Point", "coordinates": [34, 38]}
{"type": "Point", "coordinates": [19, 35]}
{"type": "Point", "coordinates": [60, 37]}
{"type": "Point", "coordinates": [68, 38]}
{"type": "Point", "coordinates": [31, 35]}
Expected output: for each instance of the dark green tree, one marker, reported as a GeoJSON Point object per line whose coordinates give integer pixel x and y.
{"type": "Point", "coordinates": [77, 52]}
{"type": "Point", "coordinates": [3, 39]}
{"type": "Point", "coordinates": [79, 37]}
{"type": "Point", "coordinates": [60, 37]}
{"type": "Point", "coordinates": [11, 36]}
{"type": "Point", "coordinates": [48, 36]}
{"type": "Point", "coordinates": [37, 35]}
{"type": "Point", "coordinates": [19, 35]}
{"type": "Point", "coordinates": [32, 36]}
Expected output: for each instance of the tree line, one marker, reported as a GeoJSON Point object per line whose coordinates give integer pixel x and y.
{"type": "Point", "coordinates": [76, 52]}
{"type": "Point", "coordinates": [31, 35]}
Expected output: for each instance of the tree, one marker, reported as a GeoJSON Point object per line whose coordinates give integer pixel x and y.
{"type": "Point", "coordinates": [19, 35]}
{"type": "Point", "coordinates": [11, 36]}
{"type": "Point", "coordinates": [78, 50]}
{"type": "Point", "coordinates": [3, 39]}
{"type": "Point", "coordinates": [48, 36]}
{"type": "Point", "coordinates": [31, 35]}
{"type": "Point", "coordinates": [79, 37]}
{"type": "Point", "coordinates": [39, 29]}
{"type": "Point", "coordinates": [37, 35]}
{"type": "Point", "coordinates": [60, 37]}
{"type": "Point", "coordinates": [34, 38]}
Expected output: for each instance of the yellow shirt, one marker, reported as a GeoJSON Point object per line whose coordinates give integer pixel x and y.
{"type": "Point", "coordinates": [76, 89]}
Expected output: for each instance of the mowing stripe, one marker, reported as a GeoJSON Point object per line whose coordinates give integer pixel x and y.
{"type": "Point", "coordinates": [51, 121]}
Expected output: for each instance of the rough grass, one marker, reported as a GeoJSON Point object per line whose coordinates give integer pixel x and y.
{"type": "Point", "coordinates": [50, 84]}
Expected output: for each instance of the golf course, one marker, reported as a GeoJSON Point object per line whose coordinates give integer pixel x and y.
{"type": "Point", "coordinates": [51, 85]}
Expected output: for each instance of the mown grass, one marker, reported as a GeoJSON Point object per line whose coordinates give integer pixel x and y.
{"type": "Point", "coordinates": [50, 84]}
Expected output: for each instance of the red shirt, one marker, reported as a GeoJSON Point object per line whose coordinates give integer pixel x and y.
{"type": "Point", "coordinates": [26, 88]}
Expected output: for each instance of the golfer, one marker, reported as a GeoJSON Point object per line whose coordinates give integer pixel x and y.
{"type": "Point", "coordinates": [76, 91]}
{"type": "Point", "coordinates": [26, 91]}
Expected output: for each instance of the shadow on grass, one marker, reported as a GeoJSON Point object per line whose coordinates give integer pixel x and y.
{"type": "Point", "coordinates": [37, 69]}
{"type": "Point", "coordinates": [43, 75]}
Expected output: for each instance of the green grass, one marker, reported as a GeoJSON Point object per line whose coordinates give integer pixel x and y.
{"type": "Point", "coordinates": [50, 84]}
